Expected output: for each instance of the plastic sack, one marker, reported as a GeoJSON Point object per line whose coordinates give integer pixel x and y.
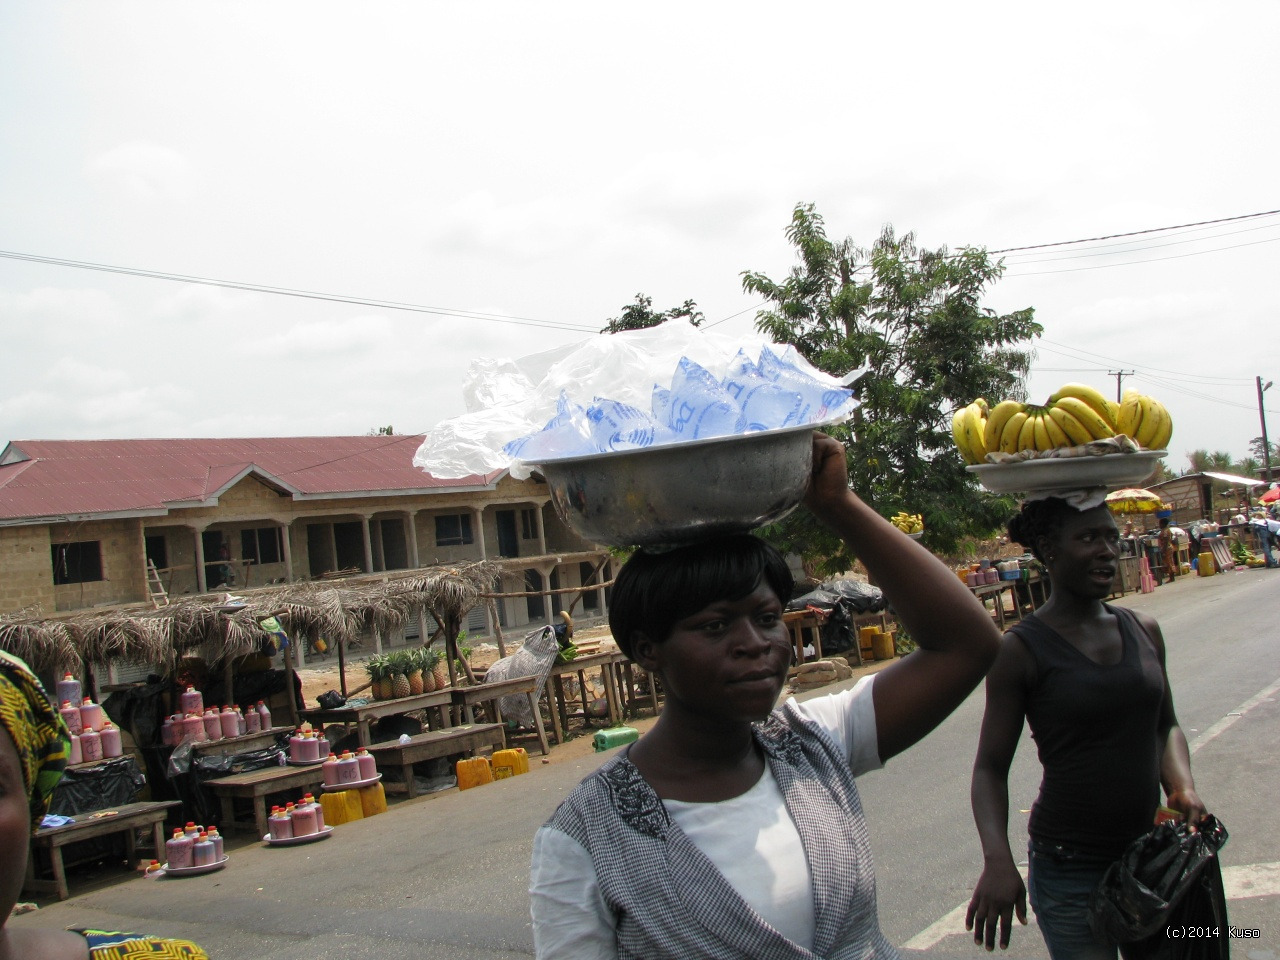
{"type": "Point", "coordinates": [1169, 876]}
{"type": "Point", "coordinates": [632, 389]}
{"type": "Point", "coordinates": [535, 658]}
{"type": "Point", "coordinates": [111, 784]}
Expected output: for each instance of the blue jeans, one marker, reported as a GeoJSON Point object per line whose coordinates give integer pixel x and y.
{"type": "Point", "coordinates": [1059, 884]}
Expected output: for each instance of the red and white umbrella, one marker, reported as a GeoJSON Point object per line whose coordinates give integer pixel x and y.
{"type": "Point", "coordinates": [1271, 496]}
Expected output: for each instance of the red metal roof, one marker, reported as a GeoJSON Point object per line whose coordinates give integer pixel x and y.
{"type": "Point", "coordinates": [54, 478]}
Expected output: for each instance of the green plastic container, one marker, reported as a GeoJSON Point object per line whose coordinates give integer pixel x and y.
{"type": "Point", "coordinates": [614, 737]}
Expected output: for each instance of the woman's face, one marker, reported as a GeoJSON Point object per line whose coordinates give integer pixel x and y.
{"type": "Point", "coordinates": [729, 660]}
{"type": "Point", "coordinates": [1082, 560]}
{"type": "Point", "coordinates": [15, 825]}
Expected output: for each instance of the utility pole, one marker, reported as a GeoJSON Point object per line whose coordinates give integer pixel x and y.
{"type": "Point", "coordinates": [1119, 375]}
{"type": "Point", "coordinates": [1262, 415]}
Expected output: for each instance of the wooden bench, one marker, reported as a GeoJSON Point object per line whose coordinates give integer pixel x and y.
{"type": "Point", "coordinates": [126, 819]}
{"type": "Point", "coordinates": [488, 693]}
{"type": "Point", "coordinates": [467, 738]}
{"type": "Point", "coordinates": [255, 785]}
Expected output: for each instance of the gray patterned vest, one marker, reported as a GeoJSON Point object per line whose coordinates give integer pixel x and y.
{"type": "Point", "coordinates": [672, 902]}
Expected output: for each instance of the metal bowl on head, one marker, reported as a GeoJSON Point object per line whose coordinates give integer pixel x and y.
{"type": "Point", "coordinates": [682, 492]}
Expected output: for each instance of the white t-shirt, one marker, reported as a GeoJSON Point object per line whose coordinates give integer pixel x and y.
{"type": "Point", "coordinates": [751, 839]}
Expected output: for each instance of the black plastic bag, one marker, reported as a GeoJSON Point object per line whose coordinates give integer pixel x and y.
{"type": "Point", "coordinates": [331, 700]}
{"type": "Point", "coordinates": [111, 784]}
{"type": "Point", "coordinates": [1159, 880]}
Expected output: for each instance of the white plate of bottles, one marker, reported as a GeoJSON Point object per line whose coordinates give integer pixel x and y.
{"type": "Point", "coordinates": [193, 870]}
{"type": "Point", "coordinates": [305, 838]}
{"type": "Point", "coordinates": [306, 763]}
{"type": "Point", "coordinates": [353, 785]}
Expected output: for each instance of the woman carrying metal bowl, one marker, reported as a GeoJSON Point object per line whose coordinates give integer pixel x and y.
{"type": "Point", "coordinates": [733, 828]}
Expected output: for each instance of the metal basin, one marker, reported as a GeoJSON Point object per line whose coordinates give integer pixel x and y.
{"type": "Point", "coordinates": [684, 491]}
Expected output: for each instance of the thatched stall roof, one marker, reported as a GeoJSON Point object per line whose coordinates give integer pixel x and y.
{"type": "Point", "coordinates": [208, 626]}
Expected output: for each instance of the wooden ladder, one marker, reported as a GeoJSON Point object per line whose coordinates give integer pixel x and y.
{"type": "Point", "coordinates": [155, 587]}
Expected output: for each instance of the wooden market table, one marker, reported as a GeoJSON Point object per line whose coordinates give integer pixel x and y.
{"type": "Point", "coordinates": [466, 698]}
{"type": "Point", "coordinates": [125, 819]}
{"type": "Point", "coordinates": [995, 592]}
{"type": "Point", "coordinates": [801, 622]}
{"type": "Point", "coordinates": [255, 785]}
{"type": "Point", "coordinates": [240, 744]}
{"type": "Point", "coordinates": [608, 663]}
{"type": "Point", "coordinates": [363, 715]}
{"type": "Point", "coordinates": [465, 739]}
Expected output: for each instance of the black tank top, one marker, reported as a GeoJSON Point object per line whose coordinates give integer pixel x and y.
{"type": "Point", "coordinates": [1097, 733]}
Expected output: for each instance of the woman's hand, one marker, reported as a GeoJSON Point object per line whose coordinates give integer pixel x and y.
{"type": "Point", "coordinates": [999, 893]}
{"type": "Point", "coordinates": [829, 481]}
{"type": "Point", "coordinates": [1187, 803]}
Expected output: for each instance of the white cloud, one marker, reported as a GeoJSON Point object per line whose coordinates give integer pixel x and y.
{"type": "Point", "coordinates": [140, 170]}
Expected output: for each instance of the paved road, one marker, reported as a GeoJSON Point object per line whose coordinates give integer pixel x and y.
{"type": "Point", "coordinates": [445, 877]}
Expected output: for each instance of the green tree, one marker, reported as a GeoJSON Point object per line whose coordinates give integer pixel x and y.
{"type": "Point", "coordinates": [914, 319]}
{"type": "Point", "coordinates": [386, 431]}
{"type": "Point", "coordinates": [640, 315]}
{"type": "Point", "coordinates": [1256, 449]}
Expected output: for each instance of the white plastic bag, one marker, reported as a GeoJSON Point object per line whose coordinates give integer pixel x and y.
{"type": "Point", "coordinates": [614, 392]}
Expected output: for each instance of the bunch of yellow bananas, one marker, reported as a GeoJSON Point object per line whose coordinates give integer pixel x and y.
{"type": "Point", "coordinates": [1075, 414]}
{"type": "Point", "coordinates": [908, 522]}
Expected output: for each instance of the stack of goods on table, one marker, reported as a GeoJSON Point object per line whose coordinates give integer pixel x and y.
{"type": "Point", "coordinates": [197, 723]}
{"type": "Point", "coordinates": [93, 736]}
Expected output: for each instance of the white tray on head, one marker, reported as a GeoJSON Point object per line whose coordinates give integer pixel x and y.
{"type": "Point", "coordinates": [1111, 471]}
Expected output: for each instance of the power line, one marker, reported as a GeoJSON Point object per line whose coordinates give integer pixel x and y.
{"type": "Point", "coordinates": [1135, 233]}
{"type": "Point", "coordinates": [1129, 263]}
{"type": "Point", "coordinates": [1107, 251]}
{"type": "Point", "coordinates": [304, 294]}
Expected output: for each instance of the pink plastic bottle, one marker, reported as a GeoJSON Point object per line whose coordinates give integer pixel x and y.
{"type": "Point", "coordinates": [252, 721]}
{"type": "Point", "coordinates": [202, 851]}
{"type": "Point", "coordinates": [69, 689]}
{"type": "Point", "coordinates": [329, 769]}
{"type": "Point", "coordinates": [310, 748]}
{"type": "Point", "coordinates": [166, 732]}
{"type": "Point", "coordinates": [110, 736]}
{"type": "Point", "coordinates": [177, 850]}
{"type": "Point", "coordinates": [212, 725]}
{"type": "Point", "coordinates": [192, 701]}
{"type": "Point", "coordinates": [91, 715]}
{"type": "Point", "coordinates": [241, 723]}
{"type": "Point", "coordinates": [193, 728]}
{"type": "Point", "coordinates": [74, 755]}
{"type": "Point", "coordinates": [216, 838]}
{"type": "Point", "coordinates": [368, 766]}
{"type": "Point", "coordinates": [304, 820]}
{"type": "Point", "coordinates": [264, 716]}
{"type": "Point", "coordinates": [295, 747]}
{"type": "Point", "coordinates": [280, 823]}
{"type": "Point", "coordinates": [91, 746]}
{"type": "Point", "coordinates": [348, 768]}
{"type": "Point", "coordinates": [230, 722]}
{"type": "Point", "coordinates": [71, 714]}
{"type": "Point", "coordinates": [192, 829]}
{"type": "Point", "coordinates": [308, 798]}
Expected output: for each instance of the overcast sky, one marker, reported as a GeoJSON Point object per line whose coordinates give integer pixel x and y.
{"type": "Point", "coordinates": [544, 162]}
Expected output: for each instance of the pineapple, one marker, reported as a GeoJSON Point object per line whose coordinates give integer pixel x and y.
{"type": "Point", "coordinates": [440, 672]}
{"type": "Point", "coordinates": [399, 681]}
{"type": "Point", "coordinates": [376, 667]}
{"type": "Point", "coordinates": [428, 660]}
{"type": "Point", "coordinates": [413, 668]}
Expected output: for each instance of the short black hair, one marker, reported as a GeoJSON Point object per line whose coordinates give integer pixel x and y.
{"type": "Point", "coordinates": [655, 589]}
{"type": "Point", "coordinates": [1040, 519]}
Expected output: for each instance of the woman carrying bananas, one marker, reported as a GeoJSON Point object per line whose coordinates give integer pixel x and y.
{"type": "Point", "coordinates": [1090, 681]}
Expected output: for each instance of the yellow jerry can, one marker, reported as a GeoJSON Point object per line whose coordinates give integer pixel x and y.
{"type": "Point", "coordinates": [509, 763]}
{"type": "Point", "coordinates": [473, 772]}
{"type": "Point", "coordinates": [373, 799]}
{"type": "Point", "coordinates": [341, 806]}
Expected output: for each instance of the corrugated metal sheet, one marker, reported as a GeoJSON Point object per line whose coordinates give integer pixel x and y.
{"type": "Point", "coordinates": [72, 477]}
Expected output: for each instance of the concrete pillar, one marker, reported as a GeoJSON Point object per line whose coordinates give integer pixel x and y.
{"type": "Point", "coordinates": [201, 585]}
{"type": "Point", "coordinates": [286, 531]}
{"type": "Point", "coordinates": [542, 530]}
{"type": "Point", "coordinates": [380, 550]}
{"type": "Point", "coordinates": [478, 512]}
{"type": "Point", "coordinates": [411, 536]}
{"type": "Point", "coordinates": [368, 544]}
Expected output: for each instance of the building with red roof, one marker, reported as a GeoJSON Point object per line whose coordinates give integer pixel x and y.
{"type": "Point", "coordinates": [89, 523]}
